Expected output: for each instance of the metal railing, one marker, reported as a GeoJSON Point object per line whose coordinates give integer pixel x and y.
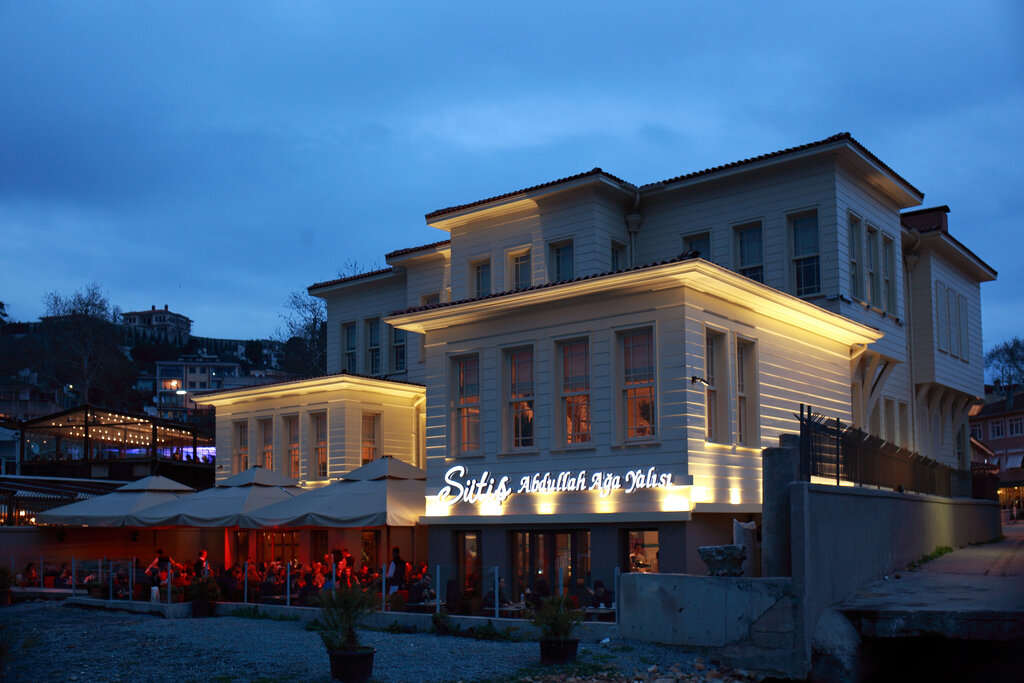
{"type": "Point", "coordinates": [836, 452]}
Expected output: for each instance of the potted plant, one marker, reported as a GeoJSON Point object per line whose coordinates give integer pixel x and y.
{"type": "Point", "coordinates": [204, 594]}
{"type": "Point", "coordinates": [556, 620]}
{"type": "Point", "coordinates": [6, 581]}
{"type": "Point", "coordinates": [342, 611]}
{"type": "Point", "coordinates": [95, 588]}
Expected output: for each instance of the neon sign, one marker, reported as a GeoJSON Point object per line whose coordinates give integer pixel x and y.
{"type": "Point", "coordinates": [487, 488]}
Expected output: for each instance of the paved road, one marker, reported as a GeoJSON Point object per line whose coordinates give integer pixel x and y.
{"type": "Point", "coordinates": [975, 592]}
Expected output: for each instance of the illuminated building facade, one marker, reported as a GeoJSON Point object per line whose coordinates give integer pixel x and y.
{"type": "Point", "coordinates": [597, 396]}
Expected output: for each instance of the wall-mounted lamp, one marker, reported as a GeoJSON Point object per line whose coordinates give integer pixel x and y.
{"type": "Point", "coordinates": [695, 379]}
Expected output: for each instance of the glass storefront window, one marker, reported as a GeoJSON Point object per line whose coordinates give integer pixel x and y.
{"type": "Point", "coordinates": [551, 562]}
{"type": "Point", "coordinates": [470, 563]}
{"type": "Point", "coordinates": [643, 550]}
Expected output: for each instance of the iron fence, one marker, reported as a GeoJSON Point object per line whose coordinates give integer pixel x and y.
{"type": "Point", "coordinates": [837, 452]}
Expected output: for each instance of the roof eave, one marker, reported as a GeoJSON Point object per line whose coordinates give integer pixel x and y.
{"type": "Point", "coordinates": [445, 221]}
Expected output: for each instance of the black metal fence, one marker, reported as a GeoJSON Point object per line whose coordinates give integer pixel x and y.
{"type": "Point", "coordinates": [837, 452]}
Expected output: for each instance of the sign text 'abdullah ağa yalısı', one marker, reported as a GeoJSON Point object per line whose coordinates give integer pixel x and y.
{"type": "Point", "coordinates": [461, 488]}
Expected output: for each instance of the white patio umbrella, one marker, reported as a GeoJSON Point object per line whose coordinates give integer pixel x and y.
{"type": "Point", "coordinates": [384, 492]}
{"type": "Point", "coordinates": [220, 506]}
{"type": "Point", "coordinates": [112, 509]}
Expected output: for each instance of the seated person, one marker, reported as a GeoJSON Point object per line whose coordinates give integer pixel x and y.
{"type": "Point", "coordinates": [601, 596]}
{"type": "Point", "coordinates": [63, 580]}
{"type": "Point", "coordinates": [536, 597]}
{"type": "Point", "coordinates": [503, 600]}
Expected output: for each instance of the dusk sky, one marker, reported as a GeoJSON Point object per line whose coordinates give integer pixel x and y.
{"type": "Point", "coordinates": [215, 156]}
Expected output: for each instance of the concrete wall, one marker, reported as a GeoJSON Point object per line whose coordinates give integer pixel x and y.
{"type": "Point", "coordinates": [751, 623]}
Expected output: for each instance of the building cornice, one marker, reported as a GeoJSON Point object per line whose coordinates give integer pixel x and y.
{"type": "Point", "coordinates": [316, 385]}
{"type": "Point", "coordinates": [696, 274]}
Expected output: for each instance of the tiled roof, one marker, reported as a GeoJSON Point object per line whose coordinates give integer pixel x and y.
{"type": "Point", "coordinates": [682, 257]}
{"type": "Point", "coordinates": [215, 392]}
{"type": "Point", "coordinates": [349, 278]}
{"type": "Point", "coordinates": [578, 176]}
{"type": "Point", "coordinates": [782, 152]}
{"type": "Point", "coordinates": [998, 407]}
{"type": "Point", "coordinates": [409, 250]}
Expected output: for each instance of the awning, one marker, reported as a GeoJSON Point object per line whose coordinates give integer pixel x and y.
{"type": "Point", "coordinates": [220, 506]}
{"type": "Point", "coordinates": [112, 509]}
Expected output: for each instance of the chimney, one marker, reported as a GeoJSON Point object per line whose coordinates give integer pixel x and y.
{"type": "Point", "coordinates": [153, 308]}
{"type": "Point", "coordinates": [165, 307]}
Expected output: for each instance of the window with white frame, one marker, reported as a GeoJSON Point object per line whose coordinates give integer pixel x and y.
{"type": "Point", "coordinates": [467, 403]}
{"type": "Point", "coordinates": [888, 275]}
{"type": "Point", "coordinates": [1015, 426]}
{"type": "Point", "coordinates": [398, 338]}
{"type": "Point", "coordinates": [348, 334]}
{"type": "Point", "coordinates": [716, 413]}
{"type": "Point", "coordinates": [806, 265]}
{"type": "Point", "coordinates": [638, 383]}
{"type": "Point", "coordinates": [995, 429]}
{"type": "Point", "coordinates": [521, 276]}
{"type": "Point", "coordinates": [371, 437]}
{"type": "Point", "coordinates": [746, 393]}
{"type": "Point", "coordinates": [291, 430]}
{"type": "Point", "coordinates": [481, 271]}
{"type": "Point", "coordinates": [856, 248]}
{"type": "Point", "coordinates": [520, 397]}
{"type": "Point", "coordinates": [562, 267]}
{"type": "Point", "coordinates": [620, 260]}
{"type": "Point", "coordinates": [319, 444]}
{"type": "Point", "coordinates": [749, 255]}
{"type": "Point", "coordinates": [373, 346]}
{"type": "Point", "coordinates": [700, 242]}
{"type": "Point", "coordinates": [872, 268]}
{"type": "Point", "coordinates": [266, 429]}
{"type": "Point", "coordinates": [241, 446]}
{"type": "Point", "coordinates": [430, 299]}
{"type": "Point", "coordinates": [575, 361]}
{"type": "Point", "coordinates": [977, 432]}
{"type": "Point", "coordinates": [904, 424]}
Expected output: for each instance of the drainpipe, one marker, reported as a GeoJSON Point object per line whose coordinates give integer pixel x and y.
{"type": "Point", "coordinates": [909, 261]}
{"type": "Point", "coordinates": [633, 220]}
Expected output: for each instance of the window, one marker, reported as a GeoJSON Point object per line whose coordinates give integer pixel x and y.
{"type": "Point", "coordinates": [890, 420]}
{"type": "Point", "coordinates": [872, 264]}
{"type": "Point", "coordinates": [348, 334]}
{"type": "Point", "coordinates": [371, 425]}
{"type": "Point", "coordinates": [953, 312]}
{"type": "Point", "coordinates": [619, 260]}
{"type": "Point", "coordinates": [291, 430]}
{"type": "Point", "coordinates": [373, 346]}
{"type": "Point", "coordinates": [750, 262]}
{"type": "Point", "coordinates": [746, 393]}
{"type": "Point", "coordinates": [576, 391]}
{"type": "Point", "coordinates": [904, 439]}
{"type": "Point", "coordinates": [267, 443]}
{"type": "Point", "coordinates": [397, 350]}
{"type": "Point", "coordinates": [888, 273]}
{"type": "Point", "coordinates": [643, 550]}
{"type": "Point", "coordinates": [941, 317]}
{"type": "Point", "coordinates": [638, 383]}
{"type": "Point", "coordinates": [320, 444]}
{"type": "Point", "coordinates": [962, 329]}
{"type": "Point", "coordinates": [430, 299]}
{"type": "Point", "coordinates": [482, 278]}
{"type": "Point", "coordinates": [700, 242]}
{"type": "Point", "coordinates": [520, 270]}
{"type": "Point", "coordinates": [241, 446]}
{"type": "Point", "coordinates": [716, 401]}
{"type": "Point", "coordinates": [995, 429]}
{"type": "Point", "coordinates": [467, 395]}
{"type": "Point", "coordinates": [856, 257]}
{"type": "Point", "coordinates": [977, 431]}
{"type": "Point", "coordinates": [520, 397]}
{"type": "Point", "coordinates": [1015, 426]}
{"type": "Point", "coordinates": [806, 273]}
{"type": "Point", "coordinates": [561, 262]}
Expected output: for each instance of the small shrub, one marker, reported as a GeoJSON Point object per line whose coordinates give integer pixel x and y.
{"type": "Point", "coordinates": [556, 618]}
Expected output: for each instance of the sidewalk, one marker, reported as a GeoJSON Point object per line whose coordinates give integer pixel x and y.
{"type": "Point", "coordinates": [973, 593]}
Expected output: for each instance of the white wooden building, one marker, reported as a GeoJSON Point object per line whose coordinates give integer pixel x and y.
{"type": "Point", "coordinates": [558, 330]}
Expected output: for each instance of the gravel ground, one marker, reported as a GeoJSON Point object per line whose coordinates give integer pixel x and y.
{"type": "Point", "coordinates": [51, 641]}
